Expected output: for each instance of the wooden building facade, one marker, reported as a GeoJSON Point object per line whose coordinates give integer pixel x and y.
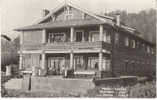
{"type": "Point", "coordinates": [71, 38]}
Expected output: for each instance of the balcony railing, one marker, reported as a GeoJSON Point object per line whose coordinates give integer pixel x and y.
{"type": "Point", "coordinates": [69, 46]}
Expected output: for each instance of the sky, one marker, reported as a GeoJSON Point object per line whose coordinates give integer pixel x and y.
{"type": "Point", "coordinates": [18, 13]}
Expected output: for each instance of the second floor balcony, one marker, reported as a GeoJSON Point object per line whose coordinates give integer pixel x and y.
{"type": "Point", "coordinates": [93, 37]}
{"type": "Point", "coordinates": [68, 46]}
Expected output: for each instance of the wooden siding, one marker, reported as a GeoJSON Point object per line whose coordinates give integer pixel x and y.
{"type": "Point", "coordinates": [31, 60]}
{"type": "Point", "coordinates": [60, 15]}
{"type": "Point", "coordinates": [32, 37]}
{"type": "Point", "coordinates": [132, 61]}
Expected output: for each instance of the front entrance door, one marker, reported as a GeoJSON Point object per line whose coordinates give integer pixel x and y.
{"type": "Point", "coordinates": [55, 65]}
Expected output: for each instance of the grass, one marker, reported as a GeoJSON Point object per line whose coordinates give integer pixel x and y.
{"type": "Point", "coordinates": [145, 89]}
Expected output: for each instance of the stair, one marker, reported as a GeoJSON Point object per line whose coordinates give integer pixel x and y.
{"type": "Point", "coordinates": [13, 83]}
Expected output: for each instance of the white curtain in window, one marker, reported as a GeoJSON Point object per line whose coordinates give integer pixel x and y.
{"type": "Point", "coordinates": [106, 64]}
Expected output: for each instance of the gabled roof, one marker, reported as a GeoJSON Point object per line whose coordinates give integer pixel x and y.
{"type": "Point", "coordinates": [62, 5]}
{"type": "Point", "coordinates": [39, 25]}
{"type": "Point", "coordinates": [100, 19]}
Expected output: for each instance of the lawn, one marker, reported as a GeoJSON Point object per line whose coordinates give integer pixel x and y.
{"type": "Point", "coordinates": [146, 89]}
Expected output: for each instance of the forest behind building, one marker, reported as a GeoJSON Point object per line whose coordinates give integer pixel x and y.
{"type": "Point", "coordinates": [144, 21]}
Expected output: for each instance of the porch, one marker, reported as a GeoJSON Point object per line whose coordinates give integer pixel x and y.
{"type": "Point", "coordinates": [77, 63]}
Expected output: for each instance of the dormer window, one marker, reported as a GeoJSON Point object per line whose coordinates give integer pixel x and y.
{"type": "Point", "coordinates": [68, 13]}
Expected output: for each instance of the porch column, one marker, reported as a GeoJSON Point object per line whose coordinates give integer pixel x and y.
{"type": "Point", "coordinates": [100, 60]}
{"type": "Point", "coordinates": [20, 62]}
{"type": "Point", "coordinates": [101, 32]}
{"type": "Point", "coordinates": [21, 38]}
{"type": "Point", "coordinates": [72, 34]}
{"type": "Point", "coordinates": [43, 61]}
{"type": "Point", "coordinates": [71, 60]}
{"type": "Point", "coordinates": [44, 36]}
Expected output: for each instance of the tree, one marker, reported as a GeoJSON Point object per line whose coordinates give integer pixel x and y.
{"type": "Point", "coordinates": [144, 22]}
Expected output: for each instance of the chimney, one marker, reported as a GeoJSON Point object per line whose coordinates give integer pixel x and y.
{"type": "Point", "coordinates": [45, 12]}
{"type": "Point", "coordinates": [118, 20]}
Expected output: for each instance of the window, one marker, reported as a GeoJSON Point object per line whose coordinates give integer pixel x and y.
{"type": "Point", "coordinates": [133, 43]}
{"type": "Point", "coordinates": [55, 65]}
{"type": "Point", "coordinates": [68, 14]}
{"type": "Point", "coordinates": [148, 62]}
{"type": "Point", "coordinates": [93, 63]}
{"type": "Point", "coordinates": [106, 64]}
{"type": "Point", "coordinates": [137, 44]}
{"type": "Point", "coordinates": [94, 36]}
{"type": "Point", "coordinates": [79, 63]}
{"type": "Point", "coordinates": [148, 49]}
{"type": "Point", "coordinates": [79, 36]}
{"type": "Point", "coordinates": [143, 46]}
{"type": "Point", "coordinates": [116, 38]}
{"type": "Point", "coordinates": [126, 41]}
{"type": "Point", "coordinates": [27, 63]}
{"type": "Point", "coordinates": [152, 50]}
{"type": "Point", "coordinates": [53, 18]}
{"type": "Point", "coordinates": [56, 37]}
{"type": "Point", "coordinates": [107, 37]}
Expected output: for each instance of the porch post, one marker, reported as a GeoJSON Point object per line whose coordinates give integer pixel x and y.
{"type": "Point", "coordinates": [43, 36]}
{"type": "Point", "coordinates": [43, 61]}
{"type": "Point", "coordinates": [100, 60]}
{"type": "Point", "coordinates": [21, 38]}
{"type": "Point", "coordinates": [72, 34]}
{"type": "Point", "coordinates": [101, 32]}
{"type": "Point", "coordinates": [20, 62]}
{"type": "Point", "coordinates": [71, 60]}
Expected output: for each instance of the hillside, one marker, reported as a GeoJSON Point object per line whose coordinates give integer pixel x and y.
{"type": "Point", "coordinates": [144, 22]}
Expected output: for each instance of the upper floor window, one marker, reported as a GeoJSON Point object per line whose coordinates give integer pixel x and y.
{"type": "Point", "coordinates": [133, 44]}
{"type": "Point", "coordinates": [53, 18]}
{"type": "Point", "coordinates": [116, 38]}
{"type": "Point", "coordinates": [68, 14]}
{"type": "Point", "coordinates": [56, 37]}
{"type": "Point", "coordinates": [107, 37]}
{"type": "Point", "coordinates": [137, 44]}
{"type": "Point", "coordinates": [126, 41]}
{"type": "Point", "coordinates": [148, 49]}
{"type": "Point", "coordinates": [143, 46]}
{"type": "Point", "coordinates": [106, 64]}
{"type": "Point", "coordinates": [152, 50]}
{"type": "Point", "coordinates": [94, 36]}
